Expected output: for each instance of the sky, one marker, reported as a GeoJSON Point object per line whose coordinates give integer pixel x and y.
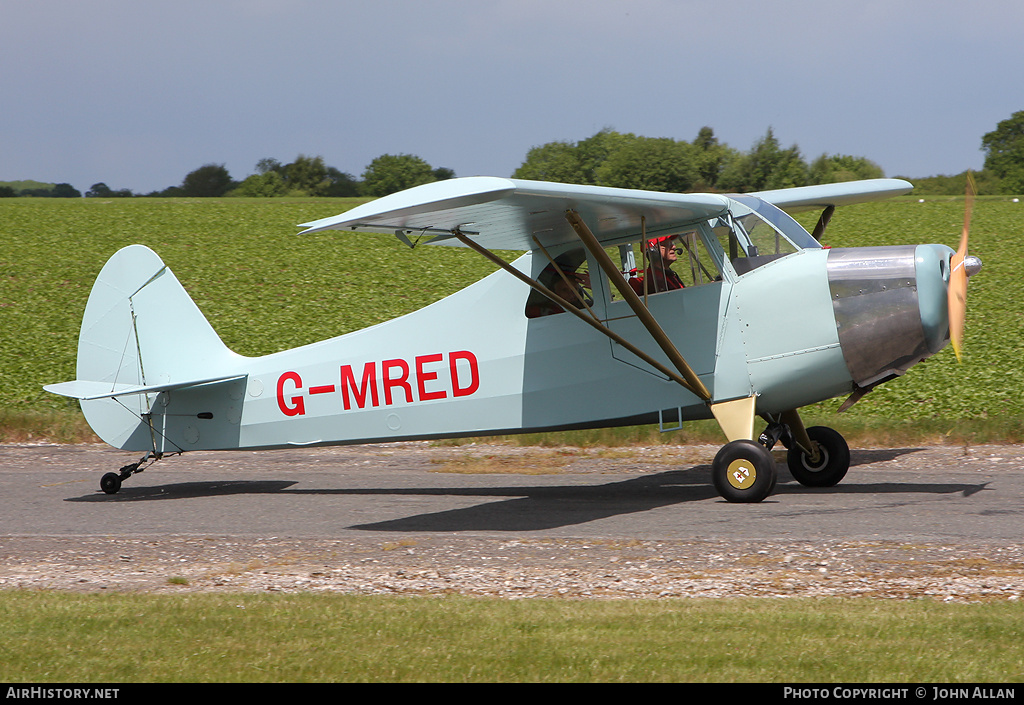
{"type": "Point", "coordinates": [137, 94]}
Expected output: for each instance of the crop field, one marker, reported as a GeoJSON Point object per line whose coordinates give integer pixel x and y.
{"type": "Point", "coordinates": [264, 289]}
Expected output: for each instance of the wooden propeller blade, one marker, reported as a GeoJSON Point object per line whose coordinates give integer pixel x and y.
{"type": "Point", "coordinates": [957, 303]}
{"type": "Point", "coordinates": [956, 298]}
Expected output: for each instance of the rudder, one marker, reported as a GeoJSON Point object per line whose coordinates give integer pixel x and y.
{"type": "Point", "coordinates": [141, 329]}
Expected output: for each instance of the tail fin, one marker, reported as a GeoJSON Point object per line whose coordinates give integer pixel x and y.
{"type": "Point", "coordinates": [141, 335]}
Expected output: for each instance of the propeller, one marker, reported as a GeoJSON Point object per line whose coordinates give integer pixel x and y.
{"type": "Point", "coordinates": [956, 298]}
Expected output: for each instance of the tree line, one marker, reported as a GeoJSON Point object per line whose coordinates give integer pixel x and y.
{"type": "Point", "coordinates": [610, 158]}
{"type": "Point", "coordinates": [306, 176]}
{"type": "Point", "coordinates": [607, 158]}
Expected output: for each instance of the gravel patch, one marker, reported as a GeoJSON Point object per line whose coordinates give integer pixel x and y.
{"type": "Point", "coordinates": [515, 568]}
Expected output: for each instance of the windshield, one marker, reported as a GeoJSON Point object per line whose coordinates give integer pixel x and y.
{"type": "Point", "coordinates": [750, 239]}
{"type": "Point", "coordinates": [780, 219]}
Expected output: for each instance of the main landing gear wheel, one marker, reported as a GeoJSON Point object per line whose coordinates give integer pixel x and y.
{"type": "Point", "coordinates": [743, 471]}
{"type": "Point", "coordinates": [832, 464]}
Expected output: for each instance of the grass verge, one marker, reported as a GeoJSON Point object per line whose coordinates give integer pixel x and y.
{"type": "Point", "coordinates": [70, 426]}
{"type": "Point", "coordinates": [865, 432]}
{"type": "Point", "coordinates": [48, 426]}
{"type": "Point", "coordinates": [51, 637]}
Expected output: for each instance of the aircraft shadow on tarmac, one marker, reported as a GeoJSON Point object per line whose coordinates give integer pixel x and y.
{"type": "Point", "coordinates": [188, 490]}
{"type": "Point", "coordinates": [538, 507]}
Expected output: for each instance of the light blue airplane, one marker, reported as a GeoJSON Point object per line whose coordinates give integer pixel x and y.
{"type": "Point", "coordinates": [628, 307]}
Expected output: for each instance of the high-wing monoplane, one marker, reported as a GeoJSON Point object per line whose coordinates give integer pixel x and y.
{"type": "Point", "coordinates": [628, 307]}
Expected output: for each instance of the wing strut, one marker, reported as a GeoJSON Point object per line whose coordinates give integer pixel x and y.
{"type": "Point", "coordinates": [826, 216]}
{"type": "Point", "coordinates": [533, 284]}
{"type": "Point", "coordinates": [643, 313]}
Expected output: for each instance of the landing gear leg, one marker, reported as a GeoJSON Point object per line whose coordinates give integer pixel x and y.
{"type": "Point", "coordinates": [111, 481]}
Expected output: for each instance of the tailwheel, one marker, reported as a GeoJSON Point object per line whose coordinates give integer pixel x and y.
{"type": "Point", "coordinates": [110, 483]}
{"type": "Point", "coordinates": [831, 464]}
{"type": "Point", "coordinates": [743, 471]}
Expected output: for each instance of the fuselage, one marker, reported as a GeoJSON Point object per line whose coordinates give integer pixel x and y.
{"type": "Point", "coordinates": [772, 315]}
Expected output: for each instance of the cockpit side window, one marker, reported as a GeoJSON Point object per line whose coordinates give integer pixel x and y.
{"type": "Point", "coordinates": [665, 263]}
{"type": "Point", "coordinates": [568, 277]}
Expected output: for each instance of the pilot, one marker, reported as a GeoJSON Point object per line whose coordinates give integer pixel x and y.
{"type": "Point", "coordinates": [573, 291]}
{"type": "Point", "coordinates": [660, 276]}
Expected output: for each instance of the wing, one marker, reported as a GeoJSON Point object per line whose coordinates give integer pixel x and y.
{"type": "Point", "coordinates": [512, 214]}
{"type": "Point", "coordinates": [794, 200]}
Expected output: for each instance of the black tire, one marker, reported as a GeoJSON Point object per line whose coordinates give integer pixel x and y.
{"type": "Point", "coordinates": [743, 471]}
{"type": "Point", "coordinates": [831, 467]}
{"type": "Point", "coordinates": [110, 483]}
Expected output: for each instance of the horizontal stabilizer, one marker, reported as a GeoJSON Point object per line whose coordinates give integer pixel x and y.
{"type": "Point", "coordinates": [86, 391]}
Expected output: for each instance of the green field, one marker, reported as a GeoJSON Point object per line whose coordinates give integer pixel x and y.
{"type": "Point", "coordinates": [265, 289]}
{"type": "Point", "coordinates": [60, 637]}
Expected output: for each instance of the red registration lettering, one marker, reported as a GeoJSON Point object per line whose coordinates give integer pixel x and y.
{"type": "Point", "coordinates": [395, 374]}
{"type": "Point", "coordinates": [422, 377]}
{"type": "Point", "coordinates": [348, 381]}
{"type": "Point", "coordinates": [391, 382]}
{"type": "Point", "coordinates": [459, 390]}
{"type": "Point", "coordinates": [296, 407]}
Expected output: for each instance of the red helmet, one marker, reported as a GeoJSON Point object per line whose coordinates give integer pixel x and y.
{"type": "Point", "coordinates": [659, 241]}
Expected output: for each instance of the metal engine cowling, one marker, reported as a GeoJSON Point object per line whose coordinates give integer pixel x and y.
{"type": "Point", "coordinates": [890, 307]}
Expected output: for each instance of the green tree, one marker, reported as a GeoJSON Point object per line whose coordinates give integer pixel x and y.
{"type": "Point", "coordinates": [269, 164]}
{"type": "Point", "coordinates": [554, 161]}
{"type": "Point", "coordinates": [594, 151]}
{"type": "Point", "coordinates": [766, 166]}
{"type": "Point", "coordinates": [651, 164]}
{"type": "Point", "coordinates": [836, 168]}
{"type": "Point", "coordinates": [265, 185]}
{"type": "Point", "coordinates": [1004, 152]}
{"type": "Point", "coordinates": [712, 158]}
{"type": "Point", "coordinates": [572, 162]}
{"type": "Point", "coordinates": [101, 190]}
{"type": "Point", "coordinates": [209, 180]}
{"type": "Point", "coordinates": [307, 176]}
{"type": "Point", "coordinates": [65, 190]}
{"type": "Point", "coordinates": [390, 173]}
{"type": "Point", "coordinates": [342, 184]}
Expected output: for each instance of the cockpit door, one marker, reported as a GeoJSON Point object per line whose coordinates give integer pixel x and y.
{"type": "Point", "coordinates": [692, 315]}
